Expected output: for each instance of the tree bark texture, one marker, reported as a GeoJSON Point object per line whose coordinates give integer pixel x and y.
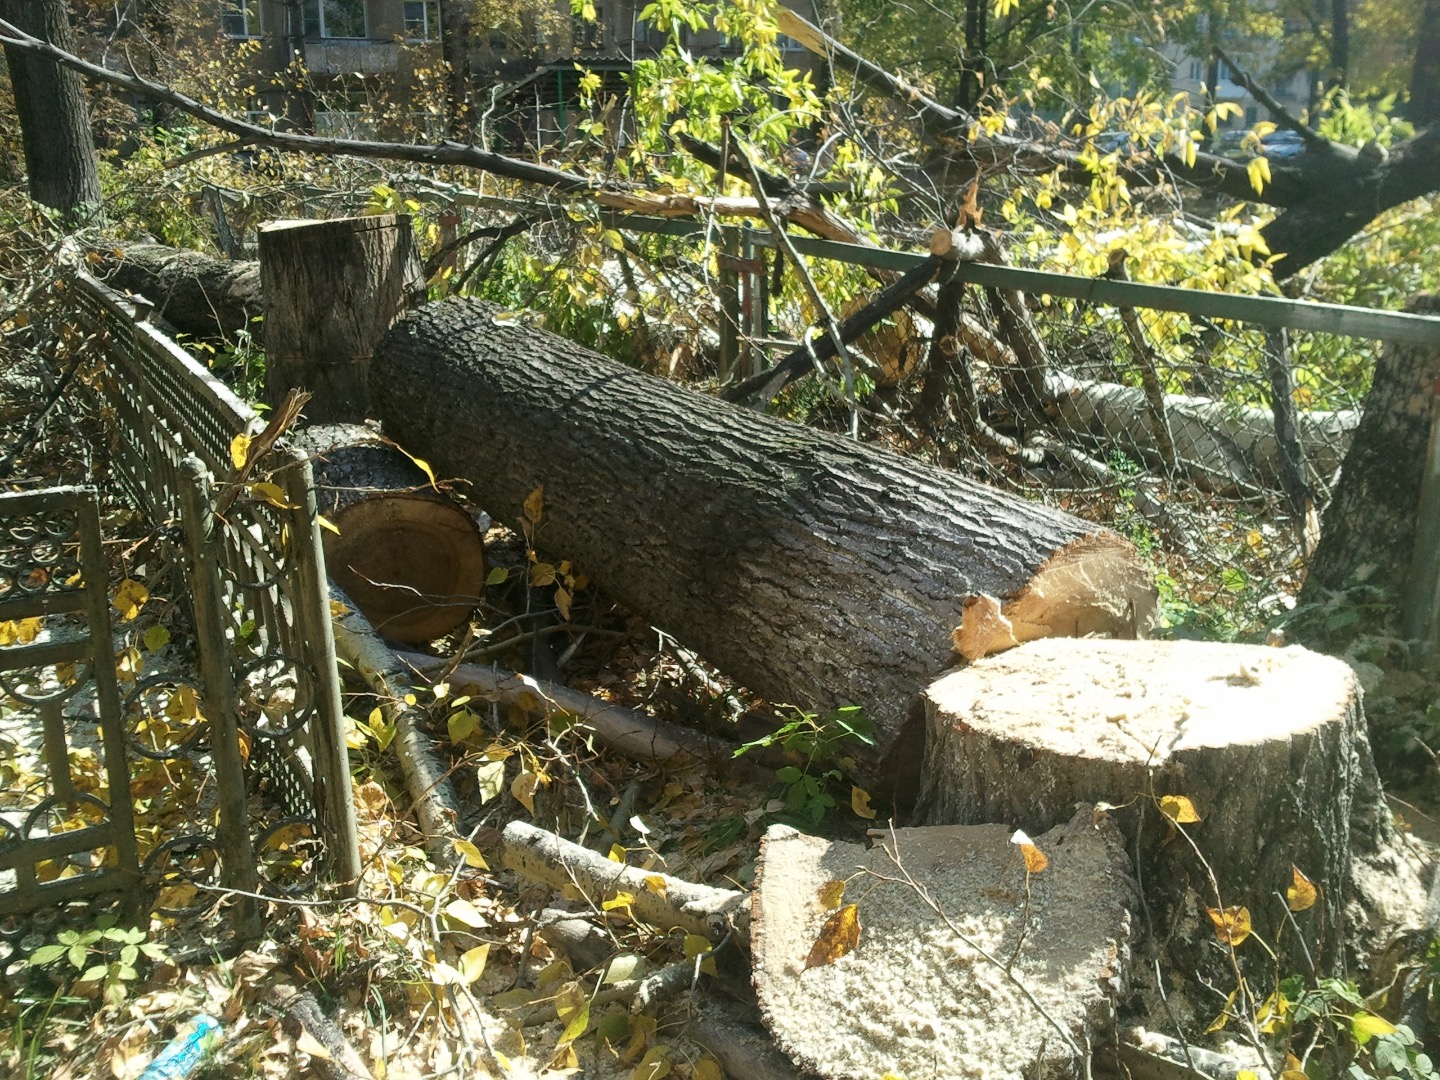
{"type": "Point", "coordinates": [331, 289]}
{"type": "Point", "coordinates": [1368, 530]}
{"type": "Point", "coordinates": [1424, 107]}
{"type": "Point", "coordinates": [195, 293]}
{"type": "Point", "coordinates": [1269, 746]}
{"type": "Point", "coordinates": [816, 570]}
{"type": "Point", "coordinates": [54, 117]}
{"type": "Point", "coordinates": [410, 557]}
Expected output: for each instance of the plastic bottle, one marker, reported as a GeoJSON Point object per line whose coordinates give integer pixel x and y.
{"type": "Point", "coordinates": [184, 1053]}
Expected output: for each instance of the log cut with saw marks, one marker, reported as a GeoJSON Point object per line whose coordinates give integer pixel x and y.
{"type": "Point", "coordinates": [410, 557]}
{"type": "Point", "coordinates": [816, 570]}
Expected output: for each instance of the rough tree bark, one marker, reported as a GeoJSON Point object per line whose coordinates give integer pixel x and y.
{"type": "Point", "coordinates": [54, 118]}
{"type": "Point", "coordinates": [1424, 107]}
{"type": "Point", "coordinates": [195, 293]}
{"type": "Point", "coordinates": [331, 289]}
{"type": "Point", "coordinates": [410, 557]}
{"type": "Point", "coordinates": [1268, 745]}
{"type": "Point", "coordinates": [815, 570]}
{"type": "Point", "coordinates": [1368, 533]}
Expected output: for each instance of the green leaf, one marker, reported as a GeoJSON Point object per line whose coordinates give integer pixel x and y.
{"type": "Point", "coordinates": [498, 576]}
{"type": "Point", "coordinates": [1364, 1026]}
{"type": "Point", "coordinates": [78, 955]}
{"type": "Point", "coordinates": [47, 954]}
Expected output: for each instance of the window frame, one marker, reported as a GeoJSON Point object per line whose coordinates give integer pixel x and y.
{"type": "Point", "coordinates": [430, 29]}
{"type": "Point", "coordinates": [321, 31]}
{"type": "Point", "coordinates": [242, 9]}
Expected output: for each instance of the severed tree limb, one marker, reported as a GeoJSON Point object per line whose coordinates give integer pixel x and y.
{"type": "Point", "coordinates": [885, 303]}
{"type": "Point", "coordinates": [1283, 116]}
{"type": "Point", "coordinates": [740, 1049]}
{"type": "Point", "coordinates": [427, 780]}
{"type": "Point", "coordinates": [664, 903]}
{"type": "Point", "coordinates": [1145, 360]}
{"type": "Point", "coordinates": [637, 736]}
{"type": "Point", "coordinates": [1017, 329]}
{"type": "Point", "coordinates": [303, 1012]}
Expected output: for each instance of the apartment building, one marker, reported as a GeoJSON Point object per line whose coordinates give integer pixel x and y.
{"type": "Point", "coordinates": [527, 63]}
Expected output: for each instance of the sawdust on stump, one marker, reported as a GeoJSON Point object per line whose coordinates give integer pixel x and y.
{"type": "Point", "coordinates": [912, 997]}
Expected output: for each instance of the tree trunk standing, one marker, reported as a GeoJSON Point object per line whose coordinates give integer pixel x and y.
{"type": "Point", "coordinates": [456, 27]}
{"type": "Point", "coordinates": [1268, 745]}
{"type": "Point", "coordinates": [331, 289]}
{"type": "Point", "coordinates": [1424, 107]}
{"type": "Point", "coordinates": [815, 570]}
{"type": "Point", "coordinates": [54, 117]}
{"type": "Point", "coordinates": [1340, 42]}
{"type": "Point", "coordinates": [291, 77]}
{"type": "Point", "coordinates": [1368, 531]}
{"type": "Point", "coordinates": [411, 558]}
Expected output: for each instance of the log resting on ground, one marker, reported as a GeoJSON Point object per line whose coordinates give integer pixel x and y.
{"type": "Point", "coordinates": [814, 569]}
{"type": "Point", "coordinates": [411, 557]}
{"type": "Point", "coordinates": [1269, 746]}
{"type": "Point", "coordinates": [195, 293]}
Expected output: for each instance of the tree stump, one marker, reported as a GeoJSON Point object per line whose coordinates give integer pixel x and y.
{"type": "Point", "coordinates": [331, 289]}
{"type": "Point", "coordinates": [814, 569]}
{"type": "Point", "coordinates": [1268, 745]}
{"type": "Point", "coordinates": [409, 556]}
{"type": "Point", "coordinates": [914, 997]}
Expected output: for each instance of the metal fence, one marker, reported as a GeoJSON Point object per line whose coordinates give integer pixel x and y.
{"type": "Point", "coordinates": [255, 581]}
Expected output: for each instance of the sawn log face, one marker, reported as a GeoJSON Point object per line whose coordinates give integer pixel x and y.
{"type": "Point", "coordinates": [816, 570]}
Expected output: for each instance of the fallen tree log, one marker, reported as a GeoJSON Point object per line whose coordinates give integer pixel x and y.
{"type": "Point", "coordinates": [1267, 748]}
{"type": "Point", "coordinates": [195, 293]}
{"type": "Point", "coordinates": [1219, 447]}
{"type": "Point", "coordinates": [813, 569]}
{"type": "Point", "coordinates": [407, 554]}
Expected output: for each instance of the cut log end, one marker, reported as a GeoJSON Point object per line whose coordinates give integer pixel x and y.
{"type": "Point", "coordinates": [1095, 585]}
{"type": "Point", "coordinates": [914, 997]}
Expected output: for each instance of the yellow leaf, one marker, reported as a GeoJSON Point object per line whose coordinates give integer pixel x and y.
{"type": "Point", "coordinates": [463, 911]}
{"type": "Point", "coordinates": [1246, 1074]}
{"type": "Point", "coordinates": [157, 637]}
{"type": "Point", "coordinates": [1220, 1021]}
{"type": "Point", "coordinates": [1178, 809]}
{"type": "Point", "coordinates": [1302, 893]}
{"type": "Point", "coordinates": [616, 853]}
{"type": "Point", "coordinates": [272, 494]}
{"type": "Point", "coordinates": [1259, 173]}
{"type": "Point", "coordinates": [308, 1044]}
{"type": "Point", "coordinates": [535, 505]}
{"type": "Point", "coordinates": [1232, 926]}
{"type": "Point", "coordinates": [707, 1068]}
{"type": "Point", "coordinates": [565, 1059]}
{"type": "Point", "coordinates": [573, 1007]}
{"type": "Point", "coordinates": [619, 900]}
{"type": "Point", "coordinates": [1364, 1026]}
{"type": "Point", "coordinates": [839, 935]}
{"type": "Point", "coordinates": [338, 610]}
{"type": "Point", "coordinates": [329, 526]}
{"type": "Point", "coordinates": [1190, 153]}
{"type": "Point", "coordinates": [240, 450]}
{"type": "Point", "coordinates": [860, 803]}
{"type": "Point", "coordinates": [472, 963]}
{"type": "Point", "coordinates": [562, 602]}
{"type": "Point", "coordinates": [130, 597]}
{"type": "Point", "coordinates": [523, 788]}
{"type": "Point", "coordinates": [1036, 861]}
{"type": "Point", "coordinates": [830, 895]}
{"type": "Point", "coordinates": [654, 1065]}
{"type": "Point", "coordinates": [655, 883]}
{"type": "Point", "coordinates": [472, 855]}
{"type": "Point", "coordinates": [695, 945]}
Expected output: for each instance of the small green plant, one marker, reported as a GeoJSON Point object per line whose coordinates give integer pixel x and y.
{"type": "Point", "coordinates": [106, 952]}
{"type": "Point", "coordinates": [817, 744]}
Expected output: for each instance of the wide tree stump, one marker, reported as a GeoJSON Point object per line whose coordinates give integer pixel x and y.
{"type": "Point", "coordinates": [814, 569]}
{"type": "Point", "coordinates": [916, 998]}
{"type": "Point", "coordinates": [1268, 745]}
{"type": "Point", "coordinates": [410, 557]}
{"type": "Point", "coordinates": [331, 289]}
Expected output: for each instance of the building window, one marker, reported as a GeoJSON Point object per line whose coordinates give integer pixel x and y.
{"type": "Point", "coordinates": [335, 18]}
{"type": "Point", "coordinates": [241, 18]}
{"type": "Point", "coordinates": [1195, 70]}
{"type": "Point", "coordinates": [422, 19]}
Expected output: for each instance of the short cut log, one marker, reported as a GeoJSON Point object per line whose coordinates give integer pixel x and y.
{"type": "Point", "coordinates": [195, 293]}
{"type": "Point", "coordinates": [816, 570]}
{"type": "Point", "coordinates": [410, 557]}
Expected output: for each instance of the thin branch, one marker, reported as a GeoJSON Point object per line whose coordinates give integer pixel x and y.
{"type": "Point", "coordinates": [207, 151]}
{"type": "Point", "coordinates": [1283, 116]}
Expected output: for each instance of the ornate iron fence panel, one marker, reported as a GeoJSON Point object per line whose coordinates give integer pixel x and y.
{"type": "Point", "coordinates": [258, 592]}
{"type": "Point", "coordinates": [66, 833]}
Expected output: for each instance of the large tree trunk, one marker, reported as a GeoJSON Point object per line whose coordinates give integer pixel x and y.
{"type": "Point", "coordinates": [1368, 531]}
{"type": "Point", "coordinates": [816, 570]}
{"type": "Point", "coordinates": [1268, 746]}
{"type": "Point", "coordinates": [1424, 107]}
{"type": "Point", "coordinates": [331, 289]}
{"type": "Point", "coordinates": [54, 118]}
{"type": "Point", "coordinates": [195, 293]}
